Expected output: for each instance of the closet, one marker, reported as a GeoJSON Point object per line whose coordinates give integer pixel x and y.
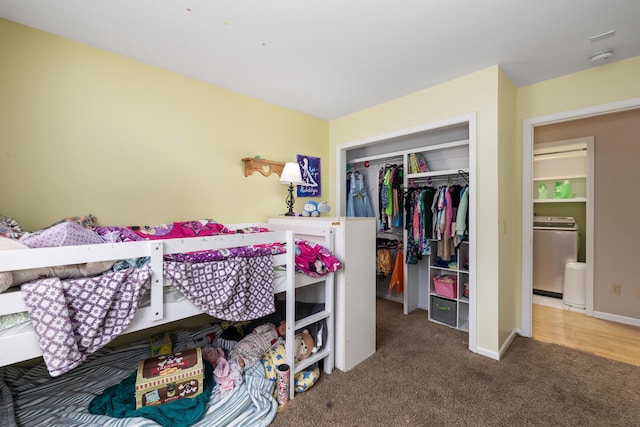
{"type": "Point", "coordinates": [428, 159]}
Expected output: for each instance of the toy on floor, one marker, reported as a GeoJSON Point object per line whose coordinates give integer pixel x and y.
{"type": "Point", "coordinates": [252, 348]}
{"type": "Point", "coordinates": [303, 346]}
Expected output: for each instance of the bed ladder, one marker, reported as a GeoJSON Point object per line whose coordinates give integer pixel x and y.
{"type": "Point", "coordinates": [298, 281]}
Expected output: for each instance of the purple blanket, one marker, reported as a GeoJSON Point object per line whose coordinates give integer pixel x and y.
{"type": "Point", "coordinates": [236, 288]}
{"type": "Point", "coordinates": [74, 318]}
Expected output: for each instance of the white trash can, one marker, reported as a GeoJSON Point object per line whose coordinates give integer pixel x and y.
{"type": "Point", "coordinates": [575, 284]}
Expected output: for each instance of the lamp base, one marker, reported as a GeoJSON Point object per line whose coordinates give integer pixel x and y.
{"type": "Point", "coordinates": [290, 202]}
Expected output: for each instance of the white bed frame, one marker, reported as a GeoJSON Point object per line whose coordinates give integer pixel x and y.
{"type": "Point", "coordinates": [24, 345]}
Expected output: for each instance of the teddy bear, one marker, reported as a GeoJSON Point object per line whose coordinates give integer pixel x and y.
{"type": "Point", "coordinates": [323, 207]}
{"type": "Point", "coordinates": [313, 208]}
{"type": "Point", "coordinates": [303, 345]}
{"type": "Point", "coordinates": [310, 209]}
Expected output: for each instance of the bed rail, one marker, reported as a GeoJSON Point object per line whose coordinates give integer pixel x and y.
{"type": "Point", "coordinates": [20, 259]}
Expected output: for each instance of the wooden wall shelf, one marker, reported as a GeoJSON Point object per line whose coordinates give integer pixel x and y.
{"type": "Point", "coordinates": [265, 167]}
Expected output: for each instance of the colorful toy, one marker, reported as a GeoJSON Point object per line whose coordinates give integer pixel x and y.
{"type": "Point", "coordinates": [313, 208]}
{"type": "Point", "coordinates": [323, 207]}
{"type": "Point", "coordinates": [310, 209]}
{"type": "Point", "coordinates": [303, 345]}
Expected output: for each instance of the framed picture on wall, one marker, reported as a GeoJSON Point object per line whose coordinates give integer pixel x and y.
{"type": "Point", "coordinates": [310, 170]}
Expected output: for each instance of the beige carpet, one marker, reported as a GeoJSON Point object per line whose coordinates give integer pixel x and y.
{"type": "Point", "coordinates": [423, 375]}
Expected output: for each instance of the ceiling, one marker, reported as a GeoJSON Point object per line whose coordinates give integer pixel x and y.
{"type": "Point", "coordinates": [329, 58]}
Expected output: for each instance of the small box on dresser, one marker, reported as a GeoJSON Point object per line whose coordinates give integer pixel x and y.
{"type": "Point", "coordinates": [166, 378]}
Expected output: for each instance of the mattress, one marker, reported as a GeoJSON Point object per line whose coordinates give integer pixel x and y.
{"type": "Point", "coordinates": [39, 399]}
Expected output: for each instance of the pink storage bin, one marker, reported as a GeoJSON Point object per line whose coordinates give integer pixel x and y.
{"type": "Point", "coordinates": [446, 286]}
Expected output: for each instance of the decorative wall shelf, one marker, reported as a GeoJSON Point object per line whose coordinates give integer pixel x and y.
{"type": "Point", "coordinates": [265, 167]}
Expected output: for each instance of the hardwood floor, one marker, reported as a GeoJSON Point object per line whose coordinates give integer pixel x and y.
{"type": "Point", "coordinates": [579, 331]}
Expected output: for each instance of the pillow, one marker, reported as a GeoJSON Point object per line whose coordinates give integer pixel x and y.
{"type": "Point", "coordinates": [62, 234]}
{"type": "Point", "coordinates": [18, 277]}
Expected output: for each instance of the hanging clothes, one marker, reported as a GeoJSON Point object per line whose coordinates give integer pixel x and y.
{"type": "Point", "coordinates": [397, 278]}
{"type": "Point", "coordinates": [385, 251]}
{"type": "Point", "coordinates": [445, 219]}
{"type": "Point", "coordinates": [384, 263]}
{"type": "Point", "coordinates": [358, 203]}
{"type": "Point", "coordinates": [462, 217]}
{"type": "Point", "coordinates": [397, 189]}
{"type": "Point", "coordinates": [348, 193]}
{"type": "Point", "coordinates": [390, 206]}
{"type": "Point", "coordinates": [418, 222]}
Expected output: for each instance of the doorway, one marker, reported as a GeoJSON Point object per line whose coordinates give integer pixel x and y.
{"type": "Point", "coordinates": [527, 208]}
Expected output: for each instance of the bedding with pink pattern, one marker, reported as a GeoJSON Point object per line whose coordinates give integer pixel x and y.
{"type": "Point", "coordinates": [76, 316]}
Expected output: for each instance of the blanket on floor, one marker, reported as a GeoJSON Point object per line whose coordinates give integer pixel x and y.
{"type": "Point", "coordinates": [42, 400]}
{"type": "Point", "coordinates": [74, 318]}
{"type": "Point", "coordinates": [120, 401]}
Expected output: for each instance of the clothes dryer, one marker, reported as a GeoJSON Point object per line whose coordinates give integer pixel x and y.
{"type": "Point", "coordinates": [555, 243]}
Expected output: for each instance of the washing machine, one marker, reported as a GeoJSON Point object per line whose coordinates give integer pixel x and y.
{"type": "Point", "coordinates": [555, 242]}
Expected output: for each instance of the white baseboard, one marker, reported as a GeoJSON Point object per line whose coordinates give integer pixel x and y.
{"type": "Point", "coordinates": [507, 342]}
{"type": "Point", "coordinates": [503, 348]}
{"type": "Point", "coordinates": [487, 353]}
{"type": "Point", "coordinates": [617, 318]}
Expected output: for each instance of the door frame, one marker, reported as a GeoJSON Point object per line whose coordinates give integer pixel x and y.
{"type": "Point", "coordinates": [527, 200]}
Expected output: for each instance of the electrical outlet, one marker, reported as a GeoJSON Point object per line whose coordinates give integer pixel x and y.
{"type": "Point", "coordinates": [614, 289]}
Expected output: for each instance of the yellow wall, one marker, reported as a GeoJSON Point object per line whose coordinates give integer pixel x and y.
{"type": "Point", "coordinates": [477, 92]}
{"type": "Point", "coordinates": [86, 131]}
{"type": "Point", "coordinates": [507, 191]}
{"type": "Point", "coordinates": [599, 85]}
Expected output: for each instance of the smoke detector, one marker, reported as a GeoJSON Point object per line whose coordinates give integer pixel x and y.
{"type": "Point", "coordinates": [601, 57]}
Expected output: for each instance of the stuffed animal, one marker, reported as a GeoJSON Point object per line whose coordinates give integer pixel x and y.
{"type": "Point", "coordinates": [310, 209]}
{"type": "Point", "coordinates": [303, 345]}
{"type": "Point", "coordinates": [323, 207]}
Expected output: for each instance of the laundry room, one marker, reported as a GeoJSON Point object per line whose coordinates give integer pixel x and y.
{"type": "Point", "coordinates": [561, 187]}
{"type": "Point", "coordinates": [605, 218]}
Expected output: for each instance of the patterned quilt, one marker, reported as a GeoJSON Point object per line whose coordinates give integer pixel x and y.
{"type": "Point", "coordinates": [236, 288]}
{"type": "Point", "coordinates": [74, 318]}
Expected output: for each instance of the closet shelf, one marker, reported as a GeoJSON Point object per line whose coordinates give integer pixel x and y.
{"type": "Point", "coordinates": [573, 200]}
{"type": "Point", "coordinates": [557, 177]}
{"type": "Point", "coordinates": [435, 173]}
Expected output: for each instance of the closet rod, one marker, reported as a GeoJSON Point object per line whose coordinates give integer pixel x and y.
{"type": "Point", "coordinates": [464, 174]}
{"type": "Point", "coordinates": [440, 179]}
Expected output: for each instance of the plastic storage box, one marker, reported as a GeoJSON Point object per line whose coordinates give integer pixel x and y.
{"type": "Point", "coordinates": [443, 310]}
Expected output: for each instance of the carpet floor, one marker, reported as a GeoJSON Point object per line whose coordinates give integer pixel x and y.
{"type": "Point", "coordinates": [423, 374]}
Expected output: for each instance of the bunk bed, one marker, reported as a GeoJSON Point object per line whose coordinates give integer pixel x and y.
{"type": "Point", "coordinates": [162, 307]}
